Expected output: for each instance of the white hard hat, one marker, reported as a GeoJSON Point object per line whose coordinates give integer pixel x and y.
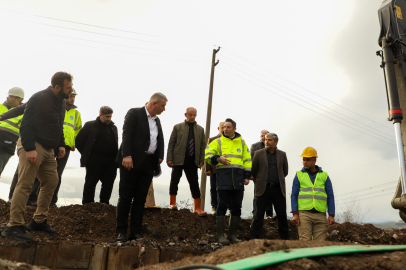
{"type": "Point", "coordinates": [16, 92]}
{"type": "Point", "coordinates": [73, 92]}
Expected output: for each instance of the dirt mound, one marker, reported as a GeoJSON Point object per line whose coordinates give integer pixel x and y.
{"type": "Point", "coordinates": [387, 260]}
{"type": "Point", "coordinates": [95, 223]}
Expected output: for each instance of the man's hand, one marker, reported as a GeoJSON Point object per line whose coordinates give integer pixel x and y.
{"type": "Point", "coordinates": [296, 219]}
{"type": "Point", "coordinates": [73, 148]}
{"type": "Point", "coordinates": [252, 177]}
{"type": "Point", "coordinates": [208, 173]}
{"type": "Point", "coordinates": [223, 159]}
{"type": "Point", "coordinates": [127, 163]}
{"type": "Point", "coordinates": [330, 220]}
{"type": "Point", "coordinates": [160, 160]}
{"type": "Point", "coordinates": [62, 152]}
{"type": "Point", "coordinates": [201, 165]}
{"type": "Point", "coordinates": [1, 118]}
{"type": "Point", "coordinates": [170, 164]}
{"type": "Point", "coordinates": [32, 157]}
{"type": "Point", "coordinates": [246, 181]}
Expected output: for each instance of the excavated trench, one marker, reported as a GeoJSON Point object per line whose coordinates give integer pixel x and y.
{"type": "Point", "coordinates": [86, 238]}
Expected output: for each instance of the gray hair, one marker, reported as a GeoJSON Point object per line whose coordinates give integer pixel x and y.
{"type": "Point", "coordinates": [273, 135]}
{"type": "Point", "coordinates": [187, 110]}
{"type": "Point", "coordinates": [264, 130]}
{"type": "Point", "coordinates": [105, 110]}
{"type": "Point", "coordinates": [158, 97]}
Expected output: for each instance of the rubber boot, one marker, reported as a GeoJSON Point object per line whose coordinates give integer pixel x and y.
{"type": "Point", "coordinates": [232, 228]}
{"type": "Point", "coordinates": [197, 209]}
{"type": "Point", "coordinates": [220, 231]}
{"type": "Point", "coordinates": [172, 204]}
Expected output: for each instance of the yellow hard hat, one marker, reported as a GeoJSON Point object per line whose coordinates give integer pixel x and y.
{"type": "Point", "coordinates": [309, 152]}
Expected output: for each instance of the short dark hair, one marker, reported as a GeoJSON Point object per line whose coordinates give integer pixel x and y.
{"type": "Point", "coordinates": [60, 77]}
{"type": "Point", "coordinates": [105, 110]}
{"type": "Point", "coordinates": [232, 122]}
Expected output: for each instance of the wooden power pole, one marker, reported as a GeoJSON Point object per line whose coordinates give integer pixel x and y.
{"type": "Point", "coordinates": [203, 177]}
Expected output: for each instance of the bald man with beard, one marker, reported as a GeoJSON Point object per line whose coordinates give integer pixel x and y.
{"type": "Point", "coordinates": [186, 153]}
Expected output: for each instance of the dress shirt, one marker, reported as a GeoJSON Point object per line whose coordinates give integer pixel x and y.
{"type": "Point", "coordinates": [272, 168]}
{"type": "Point", "coordinates": [153, 133]}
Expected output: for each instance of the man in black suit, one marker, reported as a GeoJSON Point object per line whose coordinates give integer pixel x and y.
{"type": "Point", "coordinates": [140, 154]}
{"type": "Point", "coordinates": [269, 168]}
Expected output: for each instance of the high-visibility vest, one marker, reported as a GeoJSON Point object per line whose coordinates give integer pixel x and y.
{"type": "Point", "coordinates": [236, 149]}
{"type": "Point", "coordinates": [11, 125]}
{"type": "Point", "coordinates": [312, 195]}
{"type": "Point", "coordinates": [71, 126]}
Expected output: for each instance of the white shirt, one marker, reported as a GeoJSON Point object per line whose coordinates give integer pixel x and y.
{"type": "Point", "coordinates": [153, 131]}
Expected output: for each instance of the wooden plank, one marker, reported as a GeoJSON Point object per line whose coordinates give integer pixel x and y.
{"type": "Point", "coordinates": [28, 254]}
{"type": "Point", "coordinates": [46, 255]}
{"type": "Point", "coordinates": [170, 255]}
{"type": "Point", "coordinates": [73, 255]}
{"type": "Point", "coordinates": [123, 258]}
{"type": "Point", "coordinates": [10, 253]}
{"type": "Point", "coordinates": [151, 256]}
{"type": "Point", "coordinates": [98, 259]}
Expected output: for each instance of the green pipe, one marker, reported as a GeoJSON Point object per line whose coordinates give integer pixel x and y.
{"type": "Point", "coordinates": [291, 254]}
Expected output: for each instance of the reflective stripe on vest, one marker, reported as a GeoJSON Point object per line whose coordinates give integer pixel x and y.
{"type": "Point", "coordinates": [69, 126]}
{"type": "Point", "coordinates": [11, 125]}
{"type": "Point", "coordinates": [312, 195]}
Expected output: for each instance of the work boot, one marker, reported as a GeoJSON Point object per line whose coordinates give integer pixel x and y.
{"type": "Point", "coordinates": [32, 203]}
{"type": "Point", "coordinates": [172, 204]}
{"type": "Point", "coordinates": [232, 228]}
{"type": "Point", "coordinates": [220, 231]}
{"type": "Point", "coordinates": [213, 210]}
{"type": "Point", "coordinates": [16, 232]}
{"type": "Point", "coordinates": [41, 227]}
{"type": "Point", "coordinates": [197, 209]}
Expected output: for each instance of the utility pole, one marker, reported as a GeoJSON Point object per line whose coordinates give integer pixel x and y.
{"type": "Point", "coordinates": [203, 177]}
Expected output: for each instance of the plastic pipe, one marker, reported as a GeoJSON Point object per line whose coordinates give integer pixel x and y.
{"type": "Point", "coordinates": [291, 254]}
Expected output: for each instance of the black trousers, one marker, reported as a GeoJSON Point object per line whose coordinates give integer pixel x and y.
{"type": "Point", "coordinates": [268, 212]}
{"type": "Point", "coordinates": [36, 187]}
{"type": "Point", "coordinates": [99, 168]}
{"type": "Point", "coordinates": [133, 190]}
{"type": "Point", "coordinates": [229, 199]}
{"type": "Point", "coordinates": [271, 195]}
{"type": "Point", "coordinates": [190, 169]}
{"type": "Point", "coordinates": [213, 191]}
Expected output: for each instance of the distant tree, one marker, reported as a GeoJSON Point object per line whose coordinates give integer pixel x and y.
{"type": "Point", "coordinates": [351, 211]}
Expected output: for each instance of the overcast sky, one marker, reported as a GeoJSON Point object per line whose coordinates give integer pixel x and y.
{"type": "Point", "coordinates": [305, 70]}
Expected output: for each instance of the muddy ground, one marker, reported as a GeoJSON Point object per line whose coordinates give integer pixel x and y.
{"type": "Point", "coordinates": [183, 230]}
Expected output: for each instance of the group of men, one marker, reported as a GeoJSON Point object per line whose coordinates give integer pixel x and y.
{"type": "Point", "coordinates": [52, 127]}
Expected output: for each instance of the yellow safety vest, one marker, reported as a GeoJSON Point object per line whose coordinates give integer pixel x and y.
{"type": "Point", "coordinates": [11, 125]}
{"type": "Point", "coordinates": [237, 151]}
{"type": "Point", "coordinates": [312, 195]}
{"type": "Point", "coordinates": [71, 126]}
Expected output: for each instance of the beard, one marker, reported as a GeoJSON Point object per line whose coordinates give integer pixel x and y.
{"type": "Point", "coordinates": [63, 94]}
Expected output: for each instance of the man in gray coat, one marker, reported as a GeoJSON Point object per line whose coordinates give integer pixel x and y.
{"type": "Point", "coordinates": [269, 168]}
{"type": "Point", "coordinates": [186, 153]}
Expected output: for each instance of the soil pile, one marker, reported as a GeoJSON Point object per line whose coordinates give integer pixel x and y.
{"type": "Point", "coordinates": [95, 223]}
{"type": "Point", "coordinates": [387, 260]}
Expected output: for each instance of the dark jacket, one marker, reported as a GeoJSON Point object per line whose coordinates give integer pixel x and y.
{"type": "Point", "coordinates": [178, 141]}
{"type": "Point", "coordinates": [87, 136]}
{"type": "Point", "coordinates": [260, 170]}
{"type": "Point", "coordinates": [255, 147]}
{"type": "Point", "coordinates": [43, 121]}
{"type": "Point", "coordinates": [17, 111]}
{"type": "Point", "coordinates": [8, 140]}
{"type": "Point", "coordinates": [136, 138]}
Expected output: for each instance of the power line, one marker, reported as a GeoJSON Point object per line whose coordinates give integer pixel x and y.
{"type": "Point", "coordinates": [97, 26]}
{"type": "Point", "coordinates": [358, 197]}
{"type": "Point", "coordinates": [380, 195]}
{"type": "Point", "coordinates": [351, 120]}
{"type": "Point", "coordinates": [307, 90]}
{"type": "Point", "coordinates": [308, 108]}
{"type": "Point", "coordinates": [114, 44]}
{"type": "Point", "coordinates": [391, 182]}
